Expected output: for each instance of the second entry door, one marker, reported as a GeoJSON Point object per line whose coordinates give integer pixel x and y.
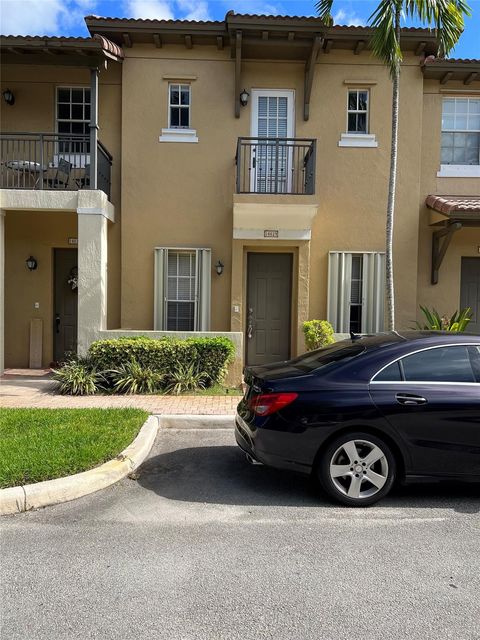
{"type": "Point", "coordinates": [268, 307]}
{"type": "Point", "coordinates": [272, 123]}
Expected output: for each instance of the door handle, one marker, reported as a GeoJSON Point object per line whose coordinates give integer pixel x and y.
{"type": "Point", "coordinates": [410, 399]}
{"type": "Point", "coordinates": [250, 324]}
{"type": "Point", "coordinates": [57, 322]}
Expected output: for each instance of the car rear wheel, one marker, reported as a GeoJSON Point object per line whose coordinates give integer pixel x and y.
{"type": "Point", "coordinates": [357, 469]}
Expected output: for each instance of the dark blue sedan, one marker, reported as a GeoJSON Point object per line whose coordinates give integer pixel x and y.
{"type": "Point", "coordinates": [364, 413]}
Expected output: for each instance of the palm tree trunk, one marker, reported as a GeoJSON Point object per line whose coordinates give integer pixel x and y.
{"type": "Point", "coordinates": [390, 291]}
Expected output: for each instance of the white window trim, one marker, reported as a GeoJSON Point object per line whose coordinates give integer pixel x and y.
{"type": "Point", "coordinates": [339, 290]}
{"type": "Point", "coordinates": [459, 171]}
{"type": "Point", "coordinates": [358, 140]}
{"type": "Point", "coordinates": [202, 284]}
{"type": "Point", "coordinates": [179, 134]}
{"type": "Point", "coordinates": [78, 160]}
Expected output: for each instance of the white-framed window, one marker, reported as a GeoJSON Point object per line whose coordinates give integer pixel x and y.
{"type": "Point", "coordinates": [358, 120]}
{"type": "Point", "coordinates": [182, 289]}
{"type": "Point", "coordinates": [179, 103]}
{"type": "Point", "coordinates": [356, 291]}
{"type": "Point", "coordinates": [73, 119]}
{"type": "Point", "coordinates": [460, 131]}
{"type": "Point", "coordinates": [357, 110]}
{"type": "Point", "coordinates": [179, 114]}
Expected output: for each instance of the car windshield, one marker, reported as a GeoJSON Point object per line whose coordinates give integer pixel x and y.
{"type": "Point", "coordinates": [328, 356]}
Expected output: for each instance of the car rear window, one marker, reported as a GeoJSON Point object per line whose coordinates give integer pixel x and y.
{"type": "Point", "coordinates": [336, 354]}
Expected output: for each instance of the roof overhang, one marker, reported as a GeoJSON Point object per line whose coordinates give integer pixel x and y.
{"type": "Point", "coordinates": [448, 209]}
{"type": "Point", "coordinates": [83, 52]}
{"type": "Point", "coordinates": [449, 214]}
{"type": "Point", "coordinates": [271, 37]}
{"type": "Point", "coordinates": [446, 69]}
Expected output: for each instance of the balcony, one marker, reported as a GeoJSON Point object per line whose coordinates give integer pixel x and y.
{"type": "Point", "coordinates": [276, 166]}
{"type": "Point", "coordinates": [53, 161]}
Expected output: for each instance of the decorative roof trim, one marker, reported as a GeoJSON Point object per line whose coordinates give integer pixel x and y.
{"type": "Point", "coordinates": [60, 44]}
{"type": "Point", "coordinates": [451, 205]}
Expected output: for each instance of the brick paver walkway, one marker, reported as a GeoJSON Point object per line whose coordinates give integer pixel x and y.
{"type": "Point", "coordinates": [20, 389]}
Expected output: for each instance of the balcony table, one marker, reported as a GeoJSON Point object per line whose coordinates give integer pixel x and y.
{"type": "Point", "coordinates": [33, 169]}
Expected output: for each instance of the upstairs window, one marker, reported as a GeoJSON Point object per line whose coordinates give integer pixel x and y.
{"type": "Point", "coordinates": [73, 117]}
{"type": "Point", "coordinates": [357, 111]}
{"type": "Point", "coordinates": [461, 131]}
{"type": "Point", "coordinates": [179, 106]}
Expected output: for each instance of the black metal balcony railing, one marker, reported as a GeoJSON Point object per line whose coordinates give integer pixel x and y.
{"type": "Point", "coordinates": [276, 165]}
{"type": "Point", "coordinates": [51, 161]}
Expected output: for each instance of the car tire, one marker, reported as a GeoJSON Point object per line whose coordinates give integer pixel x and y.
{"type": "Point", "coordinates": [356, 469]}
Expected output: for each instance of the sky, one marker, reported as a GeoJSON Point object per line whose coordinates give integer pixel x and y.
{"type": "Point", "coordinates": [65, 17]}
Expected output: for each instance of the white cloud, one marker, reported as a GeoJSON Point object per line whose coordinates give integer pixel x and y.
{"type": "Point", "coordinates": [349, 18]}
{"type": "Point", "coordinates": [255, 6]}
{"type": "Point", "coordinates": [43, 17]}
{"type": "Point", "coordinates": [149, 9]}
{"type": "Point", "coordinates": [194, 9]}
{"type": "Point", "coordinates": [30, 17]}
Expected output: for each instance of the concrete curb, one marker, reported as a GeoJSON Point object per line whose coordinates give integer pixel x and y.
{"type": "Point", "coordinates": [179, 421]}
{"type": "Point", "coordinates": [42, 494]}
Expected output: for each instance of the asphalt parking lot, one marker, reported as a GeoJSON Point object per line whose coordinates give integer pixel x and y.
{"type": "Point", "coordinates": [204, 546]}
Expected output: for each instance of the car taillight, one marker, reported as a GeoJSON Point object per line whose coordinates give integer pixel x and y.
{"type": "Point", "coordinates": [268, 403]}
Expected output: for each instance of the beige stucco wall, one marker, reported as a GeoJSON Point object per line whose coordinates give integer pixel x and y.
{"type": "Point", "coordinates": [34, 88]}
{"type": "Point", "coordinates": [182, 194]}
{"type": "Point", "coordinates": [187, 194]}
{"type": "Point", "coordinates": [37, 234]}
{"type": "Point", "coordinates": [444, 296]}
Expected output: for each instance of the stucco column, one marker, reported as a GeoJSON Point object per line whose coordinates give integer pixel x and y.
{"type": "Point", "coordinates": [94, 211]}
{"type": "Point", "coordinates": [2, 290]}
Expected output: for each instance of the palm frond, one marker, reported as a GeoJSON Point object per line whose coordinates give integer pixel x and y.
{"type": "Point", "coordinates": [324, 10]}
{"type": "Point", "coordinates": [384, 42]}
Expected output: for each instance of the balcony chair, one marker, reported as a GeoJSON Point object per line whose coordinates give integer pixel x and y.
{"type": "Point", "coordinates": [84, 180]}
{"type": "Point", "coordinates": [62, 176]}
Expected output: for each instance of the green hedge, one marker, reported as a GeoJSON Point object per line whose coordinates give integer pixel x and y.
{"type": "Point", "coordinates": [210, 355]}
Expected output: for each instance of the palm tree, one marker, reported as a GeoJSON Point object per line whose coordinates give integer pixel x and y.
{"type": "Point", "coordinates": [447, 18]}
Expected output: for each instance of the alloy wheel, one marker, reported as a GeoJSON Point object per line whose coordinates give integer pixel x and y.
{"type": "Point", "coordinates": [359, 469]}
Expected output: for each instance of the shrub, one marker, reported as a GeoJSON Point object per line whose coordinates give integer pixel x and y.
{"type": "Point", "coordinates": [79, 377]}
{"type": "Point", "coordinates": [210, 355]}
{"type": "Point", "coordinates": [318, 333]}
{"type": "Point", "coordinates": [435, 322]}
{"type": "Point", "coordinates": [185, 378]}
{"type": "Point", "coordinates": [132, 377]}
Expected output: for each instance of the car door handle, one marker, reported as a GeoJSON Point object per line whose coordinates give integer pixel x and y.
{"type": "Point", "coordinates": [410, 399]}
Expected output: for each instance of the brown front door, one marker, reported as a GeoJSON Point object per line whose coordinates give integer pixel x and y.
{"type": "Point", "coordinates": [268, 307]}
{"type": "Point", "coordinates": [65, 303]}
{"type": "Point", "coordinates": [470, 291]}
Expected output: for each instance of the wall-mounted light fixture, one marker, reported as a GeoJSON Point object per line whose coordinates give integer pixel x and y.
{"type": "Point", "coordinates": [219, 267]}
{"type": "Point", "coordinates": [31, 263]}
{"type": "Point", "coordinates": [244, 98]}
{"type": "Point", "coordinates": [8, 96]}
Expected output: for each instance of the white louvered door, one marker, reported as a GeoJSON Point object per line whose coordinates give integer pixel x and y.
{"type": "Point", "coordinates": [272, 121]}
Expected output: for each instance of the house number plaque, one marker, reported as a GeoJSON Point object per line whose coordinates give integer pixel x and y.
{"type": "Point", "coordinates": [270, 233]}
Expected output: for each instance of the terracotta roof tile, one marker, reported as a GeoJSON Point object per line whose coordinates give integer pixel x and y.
{"type": "Point", "coordinates": [453, 204]}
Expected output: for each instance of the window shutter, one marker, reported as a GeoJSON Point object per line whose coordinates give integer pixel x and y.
{"type": "Point", "coordinates": [204, 279]}
{"type": "Point", "coordinates": [373, 311]}
{"type": "Point", "coordinates": [339, 290]}
{"type": "Point", "coordinates": [160, 306]}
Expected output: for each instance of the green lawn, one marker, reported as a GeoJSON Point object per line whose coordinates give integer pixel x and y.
{"type": "Point", "coordinates": [42, 444]}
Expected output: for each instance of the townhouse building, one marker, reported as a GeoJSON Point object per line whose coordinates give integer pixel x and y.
{"type": "Point", "coordinates": [230, 177]}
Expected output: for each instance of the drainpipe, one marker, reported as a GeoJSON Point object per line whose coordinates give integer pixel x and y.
{"type": "Point", "coordinates": [93, 126]}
